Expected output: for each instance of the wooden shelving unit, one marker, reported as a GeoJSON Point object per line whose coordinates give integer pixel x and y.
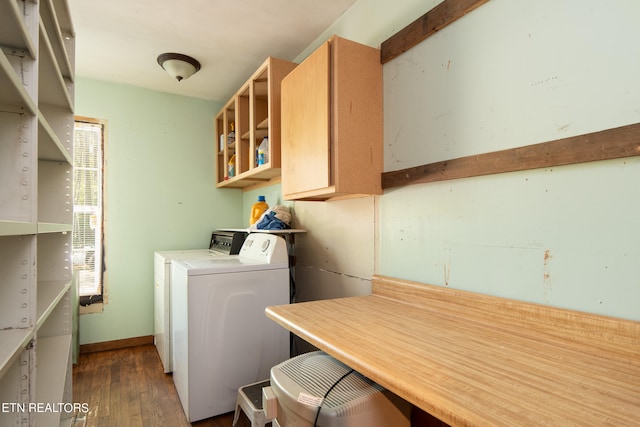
{"type": "Point", "coordinates": [254, 111]}
{"type": "Point", "coordinates": [37, 57]}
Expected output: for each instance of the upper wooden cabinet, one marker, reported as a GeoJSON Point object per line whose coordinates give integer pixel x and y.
{"type": "Point", "coordinates": [252, 114]}
{"type": "Point", "coordinates": [332, 123]}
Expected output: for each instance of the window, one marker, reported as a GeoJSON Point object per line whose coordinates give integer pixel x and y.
{"type": "Point", "coordinates": [88, 230]}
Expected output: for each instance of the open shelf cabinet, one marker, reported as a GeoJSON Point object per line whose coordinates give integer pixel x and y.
{"type": "Point", "coordinates": [37, 45]}
{"type": "Point", "coordinates": [254, 111]}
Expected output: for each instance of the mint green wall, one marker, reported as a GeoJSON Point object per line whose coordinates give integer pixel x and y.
{"type": "Point", "coordinates": [510, 73]}
{"type": "Point", "coordinates": [160, 194]}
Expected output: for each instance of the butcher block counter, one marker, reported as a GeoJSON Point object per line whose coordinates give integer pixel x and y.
{"type": "Point", "coordinates": [471, 359]}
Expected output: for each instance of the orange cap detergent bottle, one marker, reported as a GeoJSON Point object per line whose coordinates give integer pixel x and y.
{"type": "Point", "coordinates": [257, 209]}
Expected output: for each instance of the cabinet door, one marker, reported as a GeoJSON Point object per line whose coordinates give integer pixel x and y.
{"type": "Point", "coordinates": [305, 125]}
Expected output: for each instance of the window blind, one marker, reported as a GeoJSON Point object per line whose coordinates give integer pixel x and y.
{"type": "Point", "coordinates": [88, 244]}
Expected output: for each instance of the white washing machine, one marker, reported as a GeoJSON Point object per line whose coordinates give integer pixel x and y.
{"type": "Point", "coordinates": [222, 244]}
{"type": "Point", "coordinates": [222, 338]}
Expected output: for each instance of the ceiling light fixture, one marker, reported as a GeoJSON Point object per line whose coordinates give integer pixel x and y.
{"type": "Point", "coordinates": [178, 66]}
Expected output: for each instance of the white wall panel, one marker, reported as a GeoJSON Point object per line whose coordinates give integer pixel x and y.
{"type": "Point", "coordinates": [340, 236]}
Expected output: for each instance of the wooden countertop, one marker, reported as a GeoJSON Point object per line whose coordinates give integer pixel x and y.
{"type": "Point", "coordinates": [472, 359]}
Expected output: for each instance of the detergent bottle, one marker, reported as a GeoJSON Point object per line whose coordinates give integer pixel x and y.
{"type": "Point", "coordinates": [263, 152]}
{"type": "Point", "coordinates": [257, 209]}
{"type": "Point", "coordinates": [232, 166]}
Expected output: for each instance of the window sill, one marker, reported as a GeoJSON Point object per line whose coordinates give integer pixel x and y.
{"type": "Point", "coordinates": [92, 308]}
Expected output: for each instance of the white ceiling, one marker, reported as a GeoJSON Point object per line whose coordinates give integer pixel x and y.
{"type": "Point", "coordinates": [120, 40]}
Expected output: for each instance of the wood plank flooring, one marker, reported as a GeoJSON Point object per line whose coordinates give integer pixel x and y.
{"type": "Point", "coordinates": [128, 388]}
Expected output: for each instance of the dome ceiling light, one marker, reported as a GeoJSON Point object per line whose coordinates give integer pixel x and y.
{"type": "Point", "coordinates": [178, 66]}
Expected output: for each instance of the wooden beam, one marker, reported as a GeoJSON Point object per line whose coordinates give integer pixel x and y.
{"type": "Point", "coordinates": [434, 20]}
{"type": "Point", "coordinates": [607, 144]}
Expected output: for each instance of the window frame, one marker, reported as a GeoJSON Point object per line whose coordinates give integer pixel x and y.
{"type": "Point", "coordinates": [94, 303]}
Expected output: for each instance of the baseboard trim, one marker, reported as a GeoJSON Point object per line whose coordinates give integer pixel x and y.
{"type": "Point", "coordinates": [116, 344]}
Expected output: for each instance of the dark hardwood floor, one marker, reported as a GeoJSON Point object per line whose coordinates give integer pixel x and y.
{"type": "Point", "coordinates": [128, 387]}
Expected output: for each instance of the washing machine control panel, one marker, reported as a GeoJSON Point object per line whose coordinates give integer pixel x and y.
{"type": "Point", "coordinates": [264, 247]}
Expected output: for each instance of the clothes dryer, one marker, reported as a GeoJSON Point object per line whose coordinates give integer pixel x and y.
{"type": "Point", "coordinates": [222, 338]}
